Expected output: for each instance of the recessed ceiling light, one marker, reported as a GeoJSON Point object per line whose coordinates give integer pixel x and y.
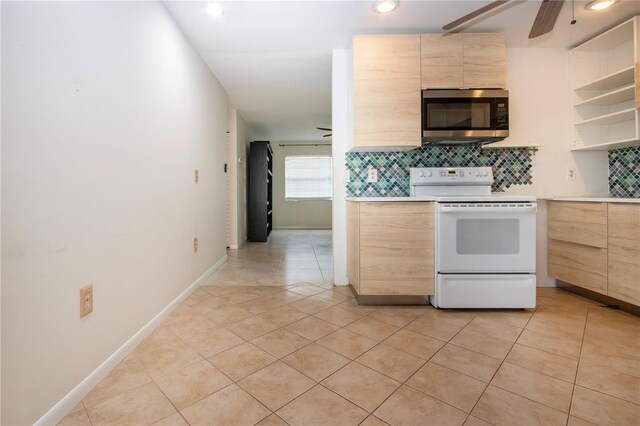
{"type": "Point", "coordinates": [386, 6]}
{"type": "Point", "coordinates": [214, 9]}
{"type": "Point", "coordinates": [600, 4]}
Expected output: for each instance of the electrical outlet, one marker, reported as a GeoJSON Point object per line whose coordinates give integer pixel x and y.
{"type": "Point", "coordinates": [372, 175]}
{"type": "Point", "coordinates": [195, 245]}
{"type": "Point", "coordinates": [197, 176]}
{"type": "Point", "coordinates": [86, 300]}
{"type": "Point", "coordinates": [571, 174]}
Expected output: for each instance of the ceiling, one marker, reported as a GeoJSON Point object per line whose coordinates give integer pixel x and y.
{"type": "Point", "coordinates": [274, 57]}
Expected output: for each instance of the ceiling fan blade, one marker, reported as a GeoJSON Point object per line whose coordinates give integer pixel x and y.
{"type": "Point", "coordinates": [323, 128]}
{"type": "Point", "coordinates": [546, 17]}
{"type": "Point", "coordinates": [474, 14]}
{"type": "Point", "coordinates": [326, 136]}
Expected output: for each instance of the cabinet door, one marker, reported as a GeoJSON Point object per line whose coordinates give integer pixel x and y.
{"type": "Point", "coordinates": [578, 222]}
{"type": "Point", "coordinates": [578, 264]}
{"type": "Point", "coordinates": [441, 61]}
{"type": "Point", "coordinates": [484, 60]}
{"type": "Point", "coordinates": [353, 244]}
{"type": "Point", "coordinates": [386, 84]}
{"type": "Point", "coordinates": [396, 248]}
{"type": "Point", "coordinates": [624, 252]}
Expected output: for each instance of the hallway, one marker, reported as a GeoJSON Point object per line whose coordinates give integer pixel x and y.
{"type": "Point", "coordinates": [268, 340]}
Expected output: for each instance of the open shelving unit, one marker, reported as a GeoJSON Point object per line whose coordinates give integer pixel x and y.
{"type": "Point", "coordinates": [604, 90]}
{"type": "Point", "coordinates": [260, 205]}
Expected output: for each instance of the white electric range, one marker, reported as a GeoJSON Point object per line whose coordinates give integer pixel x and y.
{"type": "Point", "coordinates": [485, 244]}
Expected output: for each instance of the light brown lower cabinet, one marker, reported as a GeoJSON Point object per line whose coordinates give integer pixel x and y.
{"type": "Point", "coordinates": [390, 248]}
{"type": "Point", "coordinates": [596, 246]}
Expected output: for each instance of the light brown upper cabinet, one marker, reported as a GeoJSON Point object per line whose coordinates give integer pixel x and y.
{"type": "Point", "coordinates": [463, 61]}
{"type": "Point", "coordinates": [386, 85]}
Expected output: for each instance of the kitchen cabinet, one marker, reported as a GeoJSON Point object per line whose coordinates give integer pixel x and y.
{"type": "Point", "coordinates": [463, 61]}
{"type": "Point", "coordinates": [390, 248]}
{"type": "Point", "coordinates": [624, 252]}
{"type": "Point", "coordinates": [596, 246]}
{"type": "Point", "coordinates": [605, 89]}
{"type": "Point", "coordinates": [386, 91]}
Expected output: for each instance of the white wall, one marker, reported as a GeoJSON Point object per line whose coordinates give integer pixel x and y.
{"type": "Point", "coordinates": [297, 214]}
{"type": "Point", "coordinates": [237, 152]}
{"type": "Point", "coordinates": [243, 139]}
{"type": "Point", "coordinates": [538, 82]}
{"type": "Point", "coordinates": [106, 112]}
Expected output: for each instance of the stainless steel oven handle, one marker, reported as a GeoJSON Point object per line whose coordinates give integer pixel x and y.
{"type": "Point", "coordinates": [518, 210]}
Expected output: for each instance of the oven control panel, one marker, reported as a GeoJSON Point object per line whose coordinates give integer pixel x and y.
{"type": "Point", "coordinates": [451, 175]}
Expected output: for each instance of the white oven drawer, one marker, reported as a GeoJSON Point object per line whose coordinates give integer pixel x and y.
{"type": "Point", "coordinates": [483, 291]}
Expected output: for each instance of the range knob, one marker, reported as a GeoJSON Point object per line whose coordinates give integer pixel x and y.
{"type": "Point", "coordinates": [485, 173]}
{"type": "Point", "coordinates": [429, 173]}
{"type": "Point", "coordinates": [421, 173]}
{"type": "Point", "coordinates": [476, 173]}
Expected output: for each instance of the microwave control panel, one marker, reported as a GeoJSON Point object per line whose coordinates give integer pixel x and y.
{"type": "Point", "coordinates": [451, 175]}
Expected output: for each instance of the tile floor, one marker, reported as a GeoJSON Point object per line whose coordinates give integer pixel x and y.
{"type": "Point", "coordinates": [268, 340]}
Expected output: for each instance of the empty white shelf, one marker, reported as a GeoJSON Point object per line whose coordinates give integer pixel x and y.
{"type": "Point", "coordinates": [611, 81]}
{"type": "Point", "coordinates": [622, 94]}
{"type": "Point", "coordinates": [607, 146]}
{"type": "Point", "coordinates": [612, 118]}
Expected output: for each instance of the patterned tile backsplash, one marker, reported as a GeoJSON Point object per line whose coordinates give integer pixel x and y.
{"type": "Point", "coordinates": [624, 173]}
{"type": "Point", "coordinates": [511, 166]}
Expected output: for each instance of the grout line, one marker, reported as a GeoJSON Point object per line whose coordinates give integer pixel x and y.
{"type": "Point", "coordinates": [575, 380]}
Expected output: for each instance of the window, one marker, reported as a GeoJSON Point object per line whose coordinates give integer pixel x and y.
{"type": "Point", "coordinates": [307, 177]}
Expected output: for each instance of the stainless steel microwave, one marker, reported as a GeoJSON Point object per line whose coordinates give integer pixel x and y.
{"type": "Point", "coordinates": [464, 116]}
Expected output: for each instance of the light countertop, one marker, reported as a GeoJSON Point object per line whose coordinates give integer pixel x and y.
{"type": "Point", "coordinates": [597, 199]}
{"type": "Point", "coordinates": [548, 198]}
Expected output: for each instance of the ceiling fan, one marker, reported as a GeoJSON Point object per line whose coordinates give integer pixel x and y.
{"type": "Point", "coordinates": [326, 130]}
{"type": "Point", "coordinates": [544, 22]}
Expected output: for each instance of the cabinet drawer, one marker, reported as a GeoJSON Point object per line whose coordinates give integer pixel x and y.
{"type": "Point", "coordinates": [578, 222]}
{"type": "Point", "coordinates": [577, 264]}
{"type": "Point", "coordinates": [624, 252]}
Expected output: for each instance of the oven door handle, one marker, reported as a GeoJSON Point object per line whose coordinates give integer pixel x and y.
{"type": "Point", "coordinates": [517, 210]}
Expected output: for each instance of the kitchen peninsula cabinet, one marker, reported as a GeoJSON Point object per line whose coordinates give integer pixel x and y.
{"type": "Point", "coordinates": [463, 61]}
{"type": "Point", "coordinates": [386, 90]}
{"type": "Point", "coordinates": [390, 248]}
{"type": "Point", "coordinates": [596, 245]}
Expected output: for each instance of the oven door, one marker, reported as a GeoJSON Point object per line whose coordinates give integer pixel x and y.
{"type": "Point", "coordinates": [486, 237]}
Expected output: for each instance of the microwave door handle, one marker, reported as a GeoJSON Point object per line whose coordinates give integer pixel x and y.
{"type": "Point", "coordinates": [517, 210]}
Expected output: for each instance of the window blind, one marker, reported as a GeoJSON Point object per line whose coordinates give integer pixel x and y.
{"type": "Point", "coordinates": [307, 177]}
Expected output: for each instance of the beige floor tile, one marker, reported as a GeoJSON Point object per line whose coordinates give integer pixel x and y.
{"type": "Point", "coordinates": [501, 407]}
{"type": "Point", "coordinates": [361, 385]}
{"type": "Point", "coordinates": [310, 306]}
{"type": "Point", "coordinates": [316, 361]}
{"type": "Point", "coordinates": [493, 329]}
{"type": "Point", "coordinates": [398, 316]}
{"type": "Point", "coordinates": [227, 315]}
{"type": "Point", "coordinates": [550, 343]}
{"type": "Point", "coordinates": [433, 327]}
{"type": "Point", "coordinates": [280, 343]}
{"type": "Point", "coordinates": [282, 316]}
{"type": "Point", "coordinates": [272, 420]}
{"type": "Point", "coordinates": [474, 364]}
{"type": "Point", "coordinates": [312, 328]}
{"type": "Point", "coordinates": [276, 385]}
{"type": "Point", "coordinates": [347, 343]}
{"type": "Point", "coordinates": [209, 339]}
{"type": "Point", "coordinates": [614, 358]}
{"type": "Point", "coordinates": [242, 360]}
{"type": "Point", "coordinates": [338, 316]}
{"type": "Point", "coordinates": [353, 306]}
{"type": "Point", "coordinates": [603, 409]}
{"type": "Point", "coordinates": [541, 388]}
{"type": "Point", "coordinates": [575, 421]}
{"type": "Point", "coordinates": [306, 290]}
{"type": "Point", "coordinates": [143, 405]}
{"type": "Point", "coordinates": [396, 364]}
{"type": "Point", "coordinates": [373, 421]}
{"type": "Point", "coordinates": [372, 328]}
{"type": "Point", "coordinates": [129, 374]}
{"type": "Point", "coordinates": [457, 318]}
{"type": "Point", "coordinates": [409, 407]}
{"type": "Point", "coordinates": [253, 327]}
{"type": "Point", "coordinates": [321, 407]}
{"type": "Point", "coordinates": [189, 384]}
{"type": "Point", "coordinates": [173, 420]}
{"type": "Point", "coordinates": [333, 297]}
{"type": "Point", "coordinates": [161, 336]}
{"type": "Point", "coordinates": [168, 358]}
{"type": "Point", "coordinates": [447, 385]}
{"type": "Point", "coordinates": [474, 421]}
{"type": "Point", "coordinates": [518, 318]}
{"type": "Point", "coordinates": [543, 362]}
{"type": "Point", "coordinates": [77, 417]}
{"type": "Point", "coordinates": [229, 406]}
{"type": "Point", "coordinates": [555, 328]}
{"type": "Point", "coordinates": [478, 341]}
{"type": "Point", "coordinates": [620, 385]}
{"type": "Point", "coordinates": [414, 343]}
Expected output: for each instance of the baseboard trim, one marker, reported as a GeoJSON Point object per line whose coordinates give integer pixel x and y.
{"type": "Point", "coordinates": [310, 228]}
{"type": "Point", "coordinates": [58, 411]}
